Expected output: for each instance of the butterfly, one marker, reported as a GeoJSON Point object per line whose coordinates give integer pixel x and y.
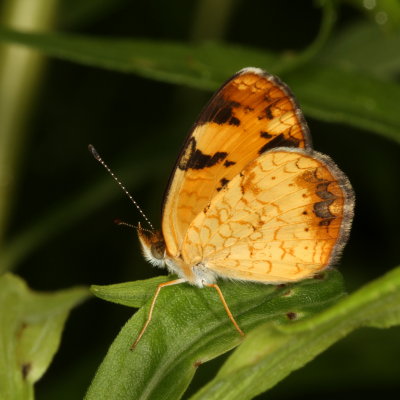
{"type": "Point", "coordinates": [248, 198]}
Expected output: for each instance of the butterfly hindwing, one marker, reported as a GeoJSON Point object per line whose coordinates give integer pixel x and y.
{"type": "Point", "coordinates": [251, 114]}
{"type": "Point", "coordinates": [285, 217]}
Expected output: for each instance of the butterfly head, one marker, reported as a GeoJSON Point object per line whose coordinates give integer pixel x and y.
{"type": "Point", "coordinates": [153, 245]}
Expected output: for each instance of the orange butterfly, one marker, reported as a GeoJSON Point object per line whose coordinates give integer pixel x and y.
{"type": "Point", "coordinates": [249, 199]}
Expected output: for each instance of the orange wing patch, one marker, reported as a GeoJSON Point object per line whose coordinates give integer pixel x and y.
{"type": "Point", "coordinates": [282, 219]}
{"type": "Point", "coordinates": [252, 113]}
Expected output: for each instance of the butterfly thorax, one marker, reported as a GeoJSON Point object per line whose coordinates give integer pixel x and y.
{"type": "Point", "coordinates": [154, 251]}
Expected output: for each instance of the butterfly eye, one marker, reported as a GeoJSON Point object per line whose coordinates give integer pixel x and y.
{"type": "Point", "coordinates": [158, 249]}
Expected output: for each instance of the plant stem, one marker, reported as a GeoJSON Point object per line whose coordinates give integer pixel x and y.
{"type": "Point", "coordinates": [326, 27]}
{"type": "Point", "coordinates": [20, 73]}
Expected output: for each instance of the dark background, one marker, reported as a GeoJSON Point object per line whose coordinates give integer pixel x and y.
{"type": "Point", "coordinates": [138, 125]}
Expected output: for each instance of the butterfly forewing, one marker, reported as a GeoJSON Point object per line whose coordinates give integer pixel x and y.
{"type": "Point", "coordinates": [285, 217]}
{"type": "Point", "coordinates": [251, 114]}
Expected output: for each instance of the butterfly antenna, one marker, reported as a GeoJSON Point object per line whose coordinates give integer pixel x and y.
{"type": "Point", "coordinates": [138, 226]}
{"type": "Point", "coordinates": [119, 222]}
{"type": "Point", "coordinates": [100, 160]}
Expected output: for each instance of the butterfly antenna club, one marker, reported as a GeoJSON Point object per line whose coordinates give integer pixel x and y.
{"type": "Point", "coordinates": [100, 160]}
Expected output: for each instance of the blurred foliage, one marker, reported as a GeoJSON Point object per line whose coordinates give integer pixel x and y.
{"type": "Point", "coordinates": [341, 60]}
{"type": "Point", "coordinates": [31, 327]}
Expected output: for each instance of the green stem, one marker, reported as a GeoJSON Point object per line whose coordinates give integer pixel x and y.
{"type": "Point", "coordinates": [20, 72]}
{"type": "Point", "coordinates": [326, 27]}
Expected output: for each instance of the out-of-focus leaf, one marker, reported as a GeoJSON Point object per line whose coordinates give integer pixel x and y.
{"type": "Point", "coordinates": [272, 351]}
{"type": "Point", "coordinates": [190, 327]}
{"type": "Point", "coordinates": [365, 47]}
{"type": "Point", "coordinates": [335, 95]}
{"type": "Point", "coordinates": [31, 325]}
{"type": "Point", "coordinates": [332, 94]}
{"type": "Point", "coordinates": [385, 13]}
{"type": "Point", "coordinates": [204, 66]}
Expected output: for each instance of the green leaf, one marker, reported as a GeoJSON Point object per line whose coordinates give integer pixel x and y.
{"type": "Point", "coordinates": [31, 325]}
{"type": "Point", "coordinates": [352, 98]}
{"type": "Point", "coordinates": [385, 13]}
{"type": "Point", "coordinates": [365, 47]}
{"type": "Point", "coordinates": [132, 294]}
{"type": "Point", "coordinates": [203, 66]}
{"type": "Point", "coordinates": [329, 93]}
{"type": "Point", "coordinates": [190, 327]}
{"type": "Point", "coordinates": [272, 351]}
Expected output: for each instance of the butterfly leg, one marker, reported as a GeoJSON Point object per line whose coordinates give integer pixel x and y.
{"type": "Point", "coordinates": [153, 302]}
{"type": "Point", "coordinates": [228, 311]}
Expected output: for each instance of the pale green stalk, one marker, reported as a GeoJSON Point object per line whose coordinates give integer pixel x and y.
{"type": "Point", "coordinates": [20, 73]}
